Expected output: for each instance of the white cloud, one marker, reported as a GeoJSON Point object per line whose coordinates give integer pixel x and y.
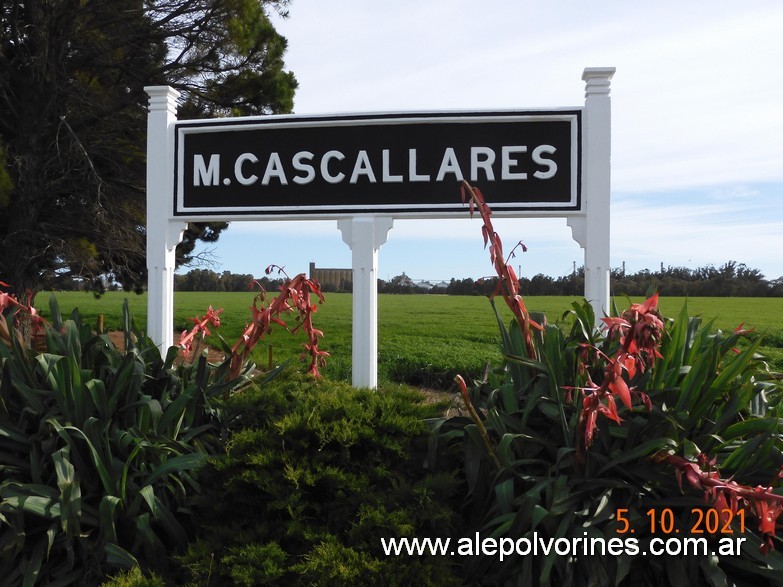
{"type": "Point", "coordinates": [697, 133]}
{"type": "Point", "coordinates": [696, 96]}
{"type": "Point", "coordinates": [697, 233]}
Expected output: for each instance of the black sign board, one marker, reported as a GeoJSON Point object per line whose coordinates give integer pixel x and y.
{"type": "Point", "coordinates": [395, 164]}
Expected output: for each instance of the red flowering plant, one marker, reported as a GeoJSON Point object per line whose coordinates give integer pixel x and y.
{"type": "Point", "coordinates": [727, 497]}
{"type": "Point", "coordinates": [10, 305]}
{"type": "Point", "coordinates": [639, 331]}
{"type": "Point", "coordinates": [587, 432]}
{"type": "Point", "coordinates": [89, 429]}
{"type": "Point", "coordinates": [508, 282]}
{"type": "Point", "coordinates": [298, 296]}
{"type": "Point", "coordinates": [199, 331]}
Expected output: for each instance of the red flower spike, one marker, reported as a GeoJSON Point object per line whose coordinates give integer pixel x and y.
{"type": "Point", "coordinates": [294, 295]}
{"type": "Point", "coordinates": [610, 411]}
{"type": "Point", "coordinates": [743, 331]}
{"type": "Point", "coordinates": [646, 400]}
{"type": "Point", "coordinates": [508, 285]}
{"type": "Point", "coordinates": [650, 304]}
{"type": "Point", "coordinates": [724, 510]}
{"type": "Point", "coordinates": [620, 387]}
{"type": "Point", "coordinates": [639, 331]}
{"type": "Point", "coordinates": [629, 364]}
{"type": "Point", "coordinates": [200, 327]}
{"type": "Point", "coordinates": [763, 503]}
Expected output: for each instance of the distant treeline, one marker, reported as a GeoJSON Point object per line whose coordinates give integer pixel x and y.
{"type": "Point", "coordinates": [731, 279]}
{"type": "Point", "coordinates": [207, 280]}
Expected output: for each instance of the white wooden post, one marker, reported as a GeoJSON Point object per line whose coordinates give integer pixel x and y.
{"type": "Point", "coordinates": [365, 235]}
{"type": "Point", "coordinates": [591, 230]}
{"type": "Point", "coordinates": [163, 234]}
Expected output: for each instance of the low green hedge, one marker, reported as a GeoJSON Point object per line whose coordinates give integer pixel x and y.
{"type": "Point", "coordinates": [315, 474]}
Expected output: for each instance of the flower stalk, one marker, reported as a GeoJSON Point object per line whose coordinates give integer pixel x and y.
{"type": "Point", "coordinates": [463, 388]}
{"type": "Point", "coordinates": [201, 328]}
{"type": "Point", "coordinates": [727, 494]}
{"type": "Point", "coordinates": [639, 331]}
{"type": "Point", "coordinates": [24, 313]}
{"type": "Point", "coordinates": [508, 282]}
{"type": "Point", "coordinates": [295, 296]}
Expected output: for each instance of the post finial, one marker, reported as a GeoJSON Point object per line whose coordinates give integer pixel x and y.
{"type": "Point", "coordinates": [162, 98]}
{"type": "Point", "coordinates": [597, 80]}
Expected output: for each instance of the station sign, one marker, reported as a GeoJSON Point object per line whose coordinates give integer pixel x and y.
{"type": "Point", "coordinates": [401, 165]}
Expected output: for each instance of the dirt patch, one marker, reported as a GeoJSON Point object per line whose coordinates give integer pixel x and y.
{"type": "Point", "coordinates": [214, 355]}
{"type": "Point", "coordinates": [451, 400]}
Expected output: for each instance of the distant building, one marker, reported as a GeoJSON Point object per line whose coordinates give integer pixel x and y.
{"type": "Point", "coordinates": [332, 279]}
{"type": "Point", "coordinates": [403, 281]}
{"type": "Point", "coordinates": [431, 284]}
{"type": "Point", "coordinates": [329, 278]}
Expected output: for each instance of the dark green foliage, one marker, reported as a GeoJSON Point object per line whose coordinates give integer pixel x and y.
{"type": "Point", "coordinates": [134, 578]}
{"type": "Point", "coordinates": [98, 453]}
{"type": "Point", "coordinates": [315, 473]}
{"type": "Point", "coordinates": [73, 122]}
{"type": "Point", "coordinates": [418, 361]}
{"type": "Point", "coordinates": [707, 399]}
{"type": "Point", "coordinates": [731, 279]}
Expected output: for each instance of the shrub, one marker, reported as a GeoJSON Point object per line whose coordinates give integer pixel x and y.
{"type": "Point", "coordinates": [586, 436]}
{"type": "Point", "coordinates": [98, 452]}
{"type": "Point", "coordinates": [134, 578]}
{"type": "Point", "coordinates": [315, 473]}
{"type": "Point", "coordinates": [99, 448]}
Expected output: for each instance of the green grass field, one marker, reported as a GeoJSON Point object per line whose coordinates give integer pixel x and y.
{"type": "Point", "coordinates": [421, 338]}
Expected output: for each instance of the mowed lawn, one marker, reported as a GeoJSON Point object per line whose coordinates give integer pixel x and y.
{"type": "Point", "coordinates": [421, 338]}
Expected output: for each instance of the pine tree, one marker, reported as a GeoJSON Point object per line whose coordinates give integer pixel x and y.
{"type": "Point", "coordinates": [73, 121]}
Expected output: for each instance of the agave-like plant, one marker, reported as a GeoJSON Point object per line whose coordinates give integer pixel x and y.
{"type": "Point", "coordinates": [98, 450]}
{"type": "Point", "coordinates": [595, 435]}
{"type": "Point", "coordinates": [100, 447]}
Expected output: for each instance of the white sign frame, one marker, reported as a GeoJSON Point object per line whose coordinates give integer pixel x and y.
{"type": "Point", "coordinates": [474, 128]}
{"type": "Point", "coordinates": [365, 232]}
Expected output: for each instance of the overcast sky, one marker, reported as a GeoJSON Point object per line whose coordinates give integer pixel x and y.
{"type": "Point", "coordinates": [697, 123]}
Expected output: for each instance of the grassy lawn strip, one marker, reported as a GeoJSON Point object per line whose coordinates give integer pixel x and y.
{"type": "Point", "coordinates": [422, 339]}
